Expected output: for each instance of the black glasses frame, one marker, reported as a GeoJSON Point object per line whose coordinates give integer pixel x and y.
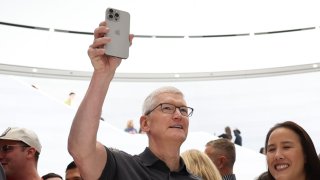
{"type": "Point", "coordinates": [190, 109]}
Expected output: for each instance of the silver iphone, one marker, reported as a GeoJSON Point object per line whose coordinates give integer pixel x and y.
{"type": "Point", "coordinates": [118, 22]}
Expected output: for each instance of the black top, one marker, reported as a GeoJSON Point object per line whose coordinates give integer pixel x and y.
{"type": "Point", "coordinates": [229, 177]}
{"type": "Point", "coordinates": [145, 166]}
{"type": "Point", "coordinates": [238, 139]}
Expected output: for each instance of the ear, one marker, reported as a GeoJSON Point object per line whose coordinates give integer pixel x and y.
{"type": "Point", "coordinates": [144, 123]}
{"type": "Point", "coordinates": [221, 161]}
{"type": "Point", "coordinates": [31, 152]}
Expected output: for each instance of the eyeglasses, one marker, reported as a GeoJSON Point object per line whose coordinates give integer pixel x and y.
{"type": "Point", "coordinates": [170, 109]}
{"type": "Point", "coordinates": [9, 148]}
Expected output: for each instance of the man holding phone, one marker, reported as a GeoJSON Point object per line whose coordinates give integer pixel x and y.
{"type": "Point", "coordinates": [165, 120]}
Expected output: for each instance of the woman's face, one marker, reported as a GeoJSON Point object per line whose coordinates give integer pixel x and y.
{"type": "Point", "coordinates": [285, 156]}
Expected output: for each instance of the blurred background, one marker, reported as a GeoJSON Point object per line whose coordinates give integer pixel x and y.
{"type": "Point", "coordinates": [243, 64]}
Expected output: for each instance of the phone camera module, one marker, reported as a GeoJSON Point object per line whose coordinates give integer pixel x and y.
{"type": "Point", "coordinates": [116, 16]}
{"type": "Point", "coordinates": [113, 15]}
{"type": "Point", "coordinates": [110, 17]}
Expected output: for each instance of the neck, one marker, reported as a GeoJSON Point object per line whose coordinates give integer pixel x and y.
{"type": "Point", "coordinates": [24, 177]}
{"type": "Point", "coordinates": [170, 155]}
{"type": "Point", "coordinates": [30, 174]}
{"type": "Point", "coordinates": [225, 171]}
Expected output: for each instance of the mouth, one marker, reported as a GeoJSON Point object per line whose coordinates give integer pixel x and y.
{"type": "Point", "coordinates": [280, 167]}
{"type": "Point", "coordinates": [176, 126]}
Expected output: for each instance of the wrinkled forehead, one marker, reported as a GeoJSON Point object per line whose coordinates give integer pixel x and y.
{"type": "Point", "coordinates": [168, 97]}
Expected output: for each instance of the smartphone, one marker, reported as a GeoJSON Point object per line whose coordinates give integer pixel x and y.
{"type": "Point", "coordinates": [118, 22]}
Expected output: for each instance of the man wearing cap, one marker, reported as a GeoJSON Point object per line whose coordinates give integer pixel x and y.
{"type": "Point", "coordinates": [19, 153]}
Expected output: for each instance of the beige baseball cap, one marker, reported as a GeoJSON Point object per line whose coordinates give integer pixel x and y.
{"type": "Point", "coordinates": [22, 134]}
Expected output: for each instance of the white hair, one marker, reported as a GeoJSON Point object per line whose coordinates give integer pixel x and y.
{"type": "Point", "coordinates": [150, 100]}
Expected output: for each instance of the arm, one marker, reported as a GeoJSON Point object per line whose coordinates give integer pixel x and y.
{"type": "Point", "coordinates": [90, 155]}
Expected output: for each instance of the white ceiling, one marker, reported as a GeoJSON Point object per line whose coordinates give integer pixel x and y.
{"type": "Point", "coordinates": [166, 17]}
{"type": "Point", "coordinates": [49, 49]}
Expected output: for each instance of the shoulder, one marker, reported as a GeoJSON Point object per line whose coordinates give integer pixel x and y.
{"type": "Point", "coordinates": [116, 153]}
{"type": "Point", "coordinates": [117, 161]}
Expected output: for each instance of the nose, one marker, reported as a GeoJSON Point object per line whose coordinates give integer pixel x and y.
{"type": "Point", "coordinates": [177, 114]}
{"type": "Point", "coordinates": [279, 155]}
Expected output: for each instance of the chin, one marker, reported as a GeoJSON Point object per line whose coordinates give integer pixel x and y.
{"type": "Point", "coordinates": [281, 176]}
{"type": "Point", "coordinates": [181, 138]}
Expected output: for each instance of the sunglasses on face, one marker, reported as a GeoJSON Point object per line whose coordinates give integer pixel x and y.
{"type": "Point", "coordinates": [8, 148]}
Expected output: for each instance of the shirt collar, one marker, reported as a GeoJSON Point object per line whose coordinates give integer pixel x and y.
{"type": "Point", "coordinates": [149, 159]}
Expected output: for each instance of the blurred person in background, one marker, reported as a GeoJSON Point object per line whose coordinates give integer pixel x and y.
{"type": "Point", "coordinates": [262, 151]}
{"type": "Point", "coordinates": [72, 172]}
{"type": "Point", "coordinates": [51, 176]}
{"type": "Point", "coordinates": [19, 153]}
{"type": "Point", "coordinates": [227, 133]}
{"type": "Point", "coordinates": [238, 139]}
{"type": "Point", "coordinates": [130, 127]}
{"type": "Point", "coordinates": [70, 98]}
{"type": "Point", "coordinates": [199, 164]}
{"type": "Point", "coordinates": [222, 152]}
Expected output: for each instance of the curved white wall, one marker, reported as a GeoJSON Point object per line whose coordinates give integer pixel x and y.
{"type": "Point", "coordinates": [39, 48]}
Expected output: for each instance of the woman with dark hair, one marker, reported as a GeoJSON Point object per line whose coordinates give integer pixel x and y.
{"type": "Point", "coordinates": [291, 153]}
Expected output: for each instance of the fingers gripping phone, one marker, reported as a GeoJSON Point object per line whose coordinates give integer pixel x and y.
{"type": "Point", "coordinates": [118, 22]}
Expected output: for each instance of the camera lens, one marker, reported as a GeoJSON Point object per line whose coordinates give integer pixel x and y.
{"type": "Point", "coordinates": [111, 10]}
{"type": "Point", "coordinates": [116, 14]}
{"type": "Point", "coordinates": [110, 16]}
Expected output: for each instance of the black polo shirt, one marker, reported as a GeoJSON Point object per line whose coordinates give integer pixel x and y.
{"type": "Point", "coordinates": [145, 166]}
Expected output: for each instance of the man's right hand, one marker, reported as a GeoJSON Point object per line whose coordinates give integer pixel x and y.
{"type": "Point", "coordinates": [100, 61]}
